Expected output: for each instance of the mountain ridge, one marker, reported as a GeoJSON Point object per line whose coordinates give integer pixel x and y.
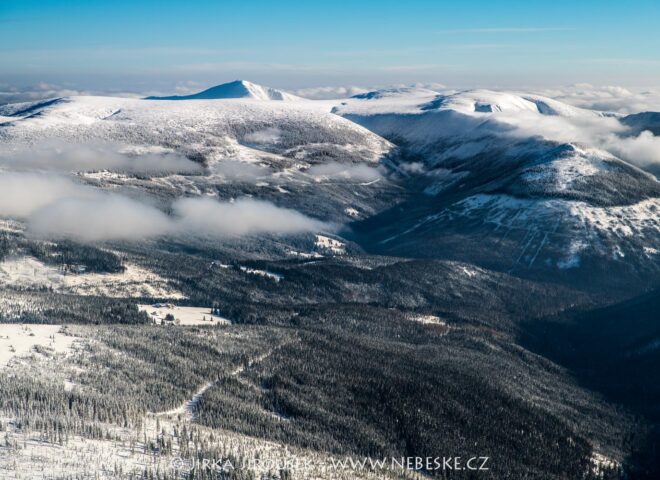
{"type": "Point", "coordinates": [501, 183]}
{"type": "Point", "coordinates": [235, 89]}
{"type": "Point", "coordinates": [411, 172]}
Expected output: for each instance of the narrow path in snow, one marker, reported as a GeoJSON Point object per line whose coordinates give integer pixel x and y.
{"type": "Point", "coordinates": [187, 409]}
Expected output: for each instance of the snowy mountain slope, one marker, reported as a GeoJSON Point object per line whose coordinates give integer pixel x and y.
{"type": "Point", "coordinates": [294, 155]}
{"type": "Point", "coordinates": [420, 100]}
{"type": "Point", "coordinates": [504, 180]}
{"type": "Point", "coordinates": [208, 129]}
{"type": "Point", "coordinates": [511, 182]}
{"type": "Point", "coordinates": [211, 130]}
{"type": "Point", "coordinates": [424, 118]}
{"type": "Point", "coordinates": [235, 89]}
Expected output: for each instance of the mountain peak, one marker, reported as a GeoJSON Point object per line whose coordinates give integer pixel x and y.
{"type": "Point", "coordinates": [235, 89]}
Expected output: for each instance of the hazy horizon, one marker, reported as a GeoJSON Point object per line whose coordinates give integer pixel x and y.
{"type": "Point", "coordinates": [146, 47]}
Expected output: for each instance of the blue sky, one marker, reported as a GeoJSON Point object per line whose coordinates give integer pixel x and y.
{"type": "Point", "coordinates": [145, 45]}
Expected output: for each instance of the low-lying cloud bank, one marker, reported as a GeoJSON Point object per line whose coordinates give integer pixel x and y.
{"type": "Point", "coordinates": [63, 157]}
{"type": "Point", "coordinates": [355, 172]}
{"type": "Point", "coordinates": [241, 171]}
{"type": "Point", "coordinates": [609, 98]}
{"type": "Point", "coordinates": [32, 93]}
{"type": "Point", "coordinates": [606, 133]}
{"type": "Point", "coordinates": [340, 92]}
{"type": "Point", "coordinates": [22, 194]}
{"type": "Point", "coordinates": [241, 217]}
{"type": "Point", "coordinates": [270, 135]}
{"type": "Point", "coordinates": [642, 150]}
{"type": "Point", "coordinates": [44, 90]}
{"type": "Point", "coordinates": [57, 207]}
{"type": "Point", "coordinates": [102, 217]}
{"type": "Point", "coordinates": [329, 93]}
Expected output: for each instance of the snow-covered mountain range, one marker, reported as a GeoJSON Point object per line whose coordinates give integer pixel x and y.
{"type": "Point", "coordinates": [515, 182]}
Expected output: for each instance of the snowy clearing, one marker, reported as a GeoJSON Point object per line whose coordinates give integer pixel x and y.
{"type": "Point", "coordinates": [262, 273]}
{"type": "Point", "coordinates": [20, 340]}
{"type": "Point", "coordinates": [134, 281]}
{"type": "Point", "coordinates": [429, 320]}
{"type": "Point", "coordinates": [183, 315]}
{"type": "Point", "coordinates": [470, 272]}
{"type": "Point", "coordinates": [305, 255]}
{"type": "Point", "coordinates": [330, 244]}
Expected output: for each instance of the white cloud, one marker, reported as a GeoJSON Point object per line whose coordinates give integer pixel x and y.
{"type": "Point", "coordinates": [42, 91]}
{"type": "Point", "coordinates": [102, 217]}
{"type": "Point", "coordinates": [39, 91]}
{"type": "Point", "coordinates": [357, 172]}
{"type": "Point", "coordinates": [269, 135]}
{"type": "Point", "coordinates": [642, 150]}
{"type": "Point", "coordinates": [335, 93]}
{"type": "Point", "coordinates": [430, 86]}
{"type": "Point", "coordinates": [236, 170]}
{"type": "Point", "coordinates": [64, 157]}
{"type": "Point", "coordinates": [415, 168]}
{"type": "Point", "coordinates": [21, 194]}
{"type": "Point", "coordinates": [329, 93]}
{"type": "Point", "coordinates": [203, 216]}
{"type": "Point", "coordinates": [605, 133]}
{"type": "Point", "coordinates": [56, 207]}
{"type": "Point", "coordinates": [609, 98]}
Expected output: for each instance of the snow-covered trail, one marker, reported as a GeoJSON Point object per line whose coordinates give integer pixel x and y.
{"type": "Point", "coordinates": [130, 452]}
{"type": "Point", "coordinates": [186, 411]}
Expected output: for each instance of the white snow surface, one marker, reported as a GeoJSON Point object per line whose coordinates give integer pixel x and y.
{"type": "Point", "coordinates": [30, 273]}
{"type": "Point", "coordinates": [429, 320]}
{"type": "Point", "coordinates": [276, 277]}
{"type": "Point", "coordinates": [238, 89]}
{"type": "Point", "coordinates": [479, 102]}
{"type": "Point", "coordinates": [19, 340]}
{"type": "Point", "coordinates": [505, 210]}
{"type": "Point", "coordinates": [328, 244]}
{"type": "Point", "coordinates": [561, 173]}
{"type": "Point", "coordinates": [587, 225]}
{"type": "Point", "coordinates": [465, 123]}
{"type": "Point", "coordinates": [468, 120]}
{"type": "Point", "coordinates": [185, 316]}
{"type": "Point", "coordinates": [220, 129]}
{"type": "Point", "coordinates": [569, 154]}
{"type": "Point", "coordinates": [28, 454]}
